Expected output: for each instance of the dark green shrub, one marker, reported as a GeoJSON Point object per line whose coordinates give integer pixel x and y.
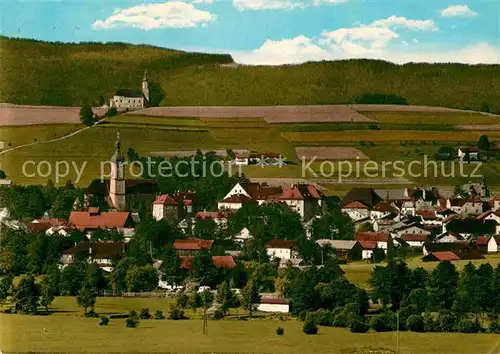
{"type": "Point", "coordinates": [447, 321]}
{"type": "Point", "coordinates": [430, 324]}
{"type": "Point", "coordinates": [218, 314]}
{"type": "Point", "coordinates": [145, 315]}
{"type": "Point", "coordinates": [176, 313]}
{"type": "Point", "coordinates": [131, 322]}
{"type": "Point", "coordinates": [324, 317]}
{"type": "Point", "coordinates": [104, 321]}
{"type": "Point", "coordinates": [91, 314]}
{"type": "Point", "coordinates": [415, 323]}
{"type": "Point", "coordinates": [280, 331]}
{"type": "Point", "coordinates": [340, 320]}
{"type": "Point", "coordinates": [302, 315]}
{"type": "Point", "coordinates": [468, 326]}
{"type": "Point", "coordinates": [494, 327]}
{"type": "Point", "coordinates": [310, 326]}
{"type": "Point", "coordinates": [358, 324]}
{"type": "Point", "coordinates": [385, 322]}
{"type": "Point", "coordinates": [159, 315]}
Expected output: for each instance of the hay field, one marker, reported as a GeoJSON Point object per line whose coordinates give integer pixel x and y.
{"type": "Point", "coordinates": [272, 114]}
{"type": "Point", "coordinates": [356, 136]}
{"type": "Point", "coordinates": [330, 153]}
{"type": "Point", "coordinates": [29, 115]}
{"type": "Point", "coordinates": [432, 118]}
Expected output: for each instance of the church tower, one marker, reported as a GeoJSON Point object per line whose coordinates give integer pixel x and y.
{"type": "Point", "coordinates": [117, 181]}
{"type": "Point", "coordinates": [145, 87]}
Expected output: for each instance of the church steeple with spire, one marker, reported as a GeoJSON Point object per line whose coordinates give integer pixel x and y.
{"type": "Point", "coordinates": [145, 86]}
{"type": "Point", "coordinates": [117, 181]}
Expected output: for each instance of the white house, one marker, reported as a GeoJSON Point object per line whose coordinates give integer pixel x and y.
{"type": "Point", "coordinates": [381, 239]}
{"type": "Point", "coordinates": [240, 159]}
{"type": "Point", "coordinates": [383, 209]}
{"type": "Point", "coordinates": [494, 244]}
{"type": "Point", "coordinates": [356, 211]}
{"type": "Point", "coordinates": [165, 207]}
{"type": "Point", "coordinates": [131, 99]}
{"type": "Point", "coordinates": [414, 240]}
{"type": "Point", "coordinates": [104, 254]}
{"type": "Point", "coordinates": [243, 236]}
{"type": "Point", "coordinates": [468, 153]}
{"type": "Point", "coordinates": [412, 230]}
{"type": "Point", "coordinates": [282, 249]}
{"type": "Point", "coordinates": [495, 203]}
{"type": "Point", "coordinates": [273, 304]}
{"type": "Point", "coordinates": [234, 202]}
{"type": "Point", "coordinates": [408, 208]}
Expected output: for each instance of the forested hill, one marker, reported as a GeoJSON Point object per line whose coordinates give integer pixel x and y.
{"type": "Point", "coordinates": [35, 72]}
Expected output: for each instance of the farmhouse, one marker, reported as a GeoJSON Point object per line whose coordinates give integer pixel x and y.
{"type": "Point", "coordinates": [88, 221]}
{"type": "Point", "coordinates": [468, 153]}
{"type": "Point", "coordinates": [104, 254]}
{"type": "Point", "coordinates": [243, 236]}
{"type": "Point", "coordinates": [120, 193]}
{"type": "Point", "coordinates": [273, 304]}
{"type": "Point", "coordinates": [381, 238]}
{"type": "Point", "coordinates": [494, 244]}
{"type": "Point", "coordinates": [440, 257]}
{"type": "Point", "coordinates": [190, 247]}
{"type": "Point", "coordinates": [131, 98]}
{"type": "Point", "coordinates": [346, 250]}
{"type": "Point", "coordinates": [414, 240]}
{"type": "Point", "coordinates": [235, 202]}
{"type": "Point", "coordinates": [165, 207]}
{"type": "Point", "coordinates": [356, 211]}
{"type": "Point", "coordinates": [368, 247]}
{"type": "Point", "coordinates": [366, 196]}
{"type": "Point", "coordinates": [305, 199]}
{"type": "Point", "coordinates": [282, 249]}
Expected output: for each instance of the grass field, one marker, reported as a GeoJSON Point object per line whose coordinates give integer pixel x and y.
{"type": "Point", "coordinates": [20, 135]}
{"type": "Point", "coordinates": [422, 118]}
{"type": "Point", "coordinates": [67, 331]}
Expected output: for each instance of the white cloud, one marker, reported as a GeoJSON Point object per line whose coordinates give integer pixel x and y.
{"type": "Point", "coordinates": [403, 22]}
{"type": "Point", "coordinates": [203, 1]}
{"type": "Point", "coordinates": [242, 5]}
{"type": "Point", "coordinates": [287, 51]}
{"type": "Point", "coordinates": [173, 14]}
{"type": "Point", "coordinates": [358, 41]}
{"type": "Point", "coordinates": [302, 49]}
{"type": "Point", "coordinates": [255, 5]}
{"type": "Point", "coordinates": [458, 10]}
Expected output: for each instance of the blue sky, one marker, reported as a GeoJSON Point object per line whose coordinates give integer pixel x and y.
{"type": "Point", "coordinates": [274, 31]}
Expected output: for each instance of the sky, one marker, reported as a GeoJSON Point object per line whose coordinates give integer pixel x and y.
{"type": "Point", "coordinates": [274, 32]}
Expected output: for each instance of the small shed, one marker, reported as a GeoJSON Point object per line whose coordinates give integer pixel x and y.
{"type": "Point", "coordinates": [440, 256]}
{"type": "Point", "coordinates": [273, 304]}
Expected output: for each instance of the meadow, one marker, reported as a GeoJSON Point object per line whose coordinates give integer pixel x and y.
{"type": "Point", "coordinates": [66, 330]}
{"type": "Point", "coordinates": [428, 118]}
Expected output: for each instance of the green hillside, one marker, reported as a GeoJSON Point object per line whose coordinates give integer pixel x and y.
{"type": "Point", "coordinates": [36, 72]}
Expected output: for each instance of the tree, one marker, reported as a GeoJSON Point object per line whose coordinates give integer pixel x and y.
{"type": "Point", "coordinates": [466, 300]}
{"type": "Point", "coordinates": [204, 269]}
{"type": "Point", "coordinates": [5, 288]}
{"type": "Point", "coordinates": [86, 115]}
{"type": "Point", "coordinates": [392, 283]}
{"type": "Point", "coordinates": [194, 301]}
{"type": "Point", "coordinates": [170, 266]}
{"type": "Point", "coordinates": [484, 142]}
{"type": "Point", "coordinates": [378, 255]}
{"type": "Point", "coordinates": [442, 286]}
{"type": "Point", "coordinates": [86, 298]}
{"type": "Point", "coordinates": [72, 279]}
{"type": "Point", "coordinates": [310, 326]}
{"type": "Point", "coordinates": [333, 225]}
{"type": "Point", "coordinates": [143, 278]}
{"type": "Point", "coordinates": [3, 175]}
{"type": "Point", "coordinates": [225, 297]}
{"type": "Point", "coordinates": [112, 111]}
{"type": "Point", "coordinates": [47, 293]}
{"type": "Point", "coordinates": [27, 295]}
{"type": "Point", "coordinates": [304, 296]}
{"type": "Point", "coordinates": [250, 296]}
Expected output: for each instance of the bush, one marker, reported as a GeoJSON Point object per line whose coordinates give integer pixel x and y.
{"type": "Point", "coordinates": [91, 314]}
{"type": "Point", "coordinates": [302, 315]}
{"type": "Point", "coordinates": [358, 324]}
{"type": "Point", "coordinates": [112, 111]}
{"type": "Point", "coordinates": [494, 327]}
{"type": "Point", "coordinates": [159, 315]}
{"type": "Point", "coordinates": [324, 317]}
{"type": "Point", "coordinates": [373, 127]}
{"type": "Point", "coordinates": [280, 331]}
{"type": "Point", "coordinates": [385, 322]}
{"type": "Point", "coordinates": [104, 321]}
{"type": "Point", "coordinates": [430, 325]}
{"type": "Point", "coordinates": [310, 326]}
{"type": "Point", "coordinates": [447, 321]}
{"type": "Point", "coordinates": [218, 314]}
{"type": "Point", "coordinates": [176, 313]}
{"type": "Point", "coordinates": [468, 326]}
{"type": "Point", "coordinates": [145, 315]}
{"type": "Point", "coordinates": [131, 322]}
{"type": "Point", "coordinates": [415, 323]}
{"type": "Point", "coordinates": [340, 320]}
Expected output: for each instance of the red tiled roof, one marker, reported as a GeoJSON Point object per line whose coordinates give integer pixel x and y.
{"type": "Point", "coordinates": [469, 149]}
{"type": "Point", "coordinates": [291, 194]}
{"type": "Point", "coordinates": [372, 236]}
{"type": "Point", "coordinates": [287, 244]}
{"type": "Point", "coordinates": [261, 191]}
{"type": "Point", "coordinates": [165, 199]}
{"type": "Point", "coordinates": [426, 214]}
{"type": "Point", "coordinates": [238, 198]}
{"type": "Point", "coordinates": [225, 262]}
{"type": "Point", "coordinates": [474, 200]}
{"type": "Point", "coordinates": [193, 244]}
{"type": "Point", "coordinates": [446, 256]}
{"type": "Point", "coordinates": [93, 210]}
{"type": "Point", "coordinates": [368, 245]}
{"type": "Point", "coordinates": [213, 214]}
{"type": "Point", "coordinates": [355, 205]}
{"type": "Point", "coordinates": [496, 197]}
{"type": "Point", "coordinates": [42, 225]}
{"type": "Point", "coordinates": [482, 241]}
{"type": "Point", "coordinates": [273, 300]}
{"type": "Point", "coordinates": [384, 207]}
{"type": "Point", "coordinates": [108, 220]}
{"type": "Point", "coordinates": [416, 238]}
{"type": "Point", "coordinates": [103, 250]}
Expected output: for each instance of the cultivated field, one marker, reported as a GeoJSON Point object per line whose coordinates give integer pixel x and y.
{"type": "Point", "coordinates": [386, 136]}
{"type": "Point", "coordinates": [330, 153]}
{"type": "Point", "coordinates": [67, 331]}
{"type": "Point", "coordinates": [430, 117]}
{"type": "Point", "coordinates": [19, 135]}
{"type": "Point", "coordinates": [272, 114]}
{"type": "Point", "coordinates": [29, 115]}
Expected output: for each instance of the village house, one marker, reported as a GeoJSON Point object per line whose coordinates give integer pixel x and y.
{"type": "Point", "coordinates": [273, 305]}
{"type": "Point", "coordinates": [191, 247]}
{"type": "Point", "coordinates": [49, 226]}
{"type": "Point", "coordinates": [440, 257]}
{"type": "Point", "coordinates": [416, 241]}
{"type": "Point", "coordinates": [131, 98]}
{"type": "Point", "coordinates": [412, 230]}
{"type": "Point", "coordinates": [165, 207]}
{"type": "Point", "coordinates": [383, 209]}
{"type": "Point", "coordinates": [458, 248]}
{"type": "Point", "coordinates": [185, 200]}
{"type": "Point", "coordinates": [219, 217]}
{"type": "Point", "coordinates": [468, 154]}
{"type": "Point", "coordinates": [94, 219]}
{"type": "Point", "coordinates": [305, 199]}
{"type": "Point", "coordinates": [104, 254]}
{"type": "Point", "coordinates": [381, 238]}
{"type": "Point", "coordinates": [494, 244]}
{"type": "Point", "coordinates": [281, 249]}
{"type": "Point", "coordinates": [258, 192]}
{"type": "Point", "coordinates": [495, 203]}
{"type": "Point", "coordinates": [356, 211]}
{"type": "Point", "coordinates": [243, 236]}
{"type": "Point", "coordinates": [221, 262]}
{"type": "Point", "coordinates": [235, 202]}
{"type": "Point", "coordinates": [345, 250]}
{"type": "Point", "coordinates": [368, 248]}
{"type": "Point", "coordinates": [241, 159]}
{"type": "Point", "coordinates": [365, 196]}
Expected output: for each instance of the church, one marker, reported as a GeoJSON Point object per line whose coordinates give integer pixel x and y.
{"type": "Point", "coordinates": [131, 98]}
{"type": "Point", "coordinates": [119, 193]}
